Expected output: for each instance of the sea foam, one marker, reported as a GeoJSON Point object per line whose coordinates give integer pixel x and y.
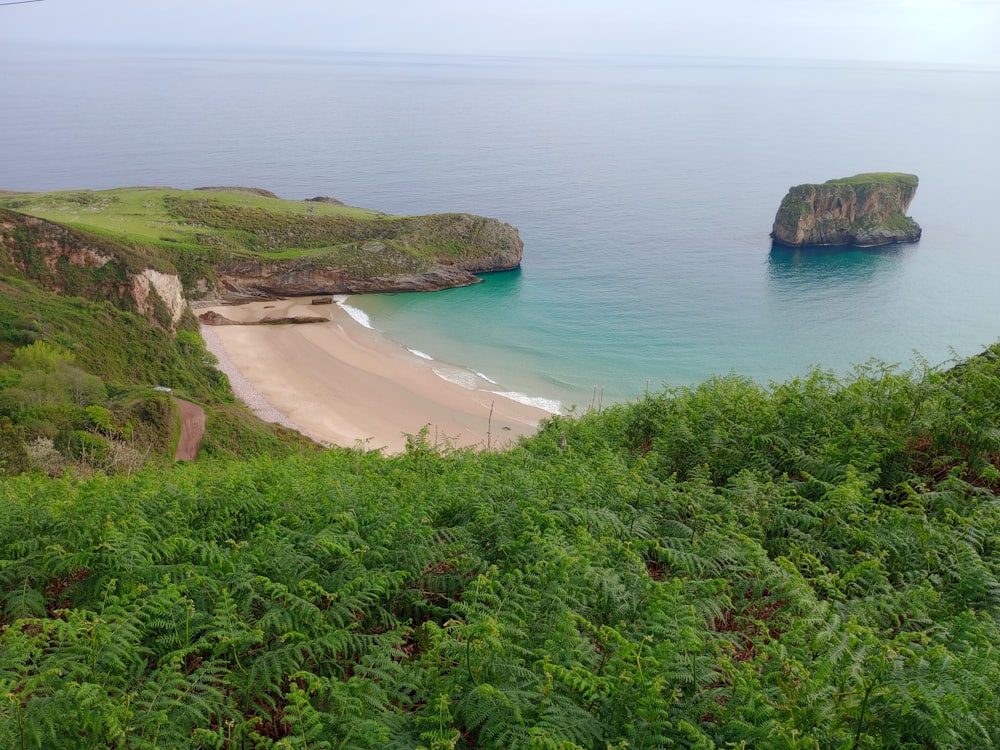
{"type": "Point", "coordinates": [360, 316]}
{"type": "Point", "coordinates": [464, 378]}
{"type": "Point", "coordinates": [545, 404]}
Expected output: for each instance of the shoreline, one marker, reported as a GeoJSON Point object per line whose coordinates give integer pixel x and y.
{"type": "Point", "coordinates": [342, 383]}
{"type": "Point", "coordinates": [242, 388]}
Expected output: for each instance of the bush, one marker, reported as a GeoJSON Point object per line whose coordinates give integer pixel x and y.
{"type": "Point", "coordinates": [43, 457]}
{"type": "Point", "coordinates": [41, 356]}
{"type": "Point", "coordinates": [88, 448]}
{"type": "Point", "coordinates": [13, 456]}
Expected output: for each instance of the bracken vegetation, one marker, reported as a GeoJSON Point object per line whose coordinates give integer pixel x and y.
{"type": "Point", "coordinates": [808, 565]}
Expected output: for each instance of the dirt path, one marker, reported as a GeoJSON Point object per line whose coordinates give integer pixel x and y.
{"type": "Point", "coordinates": [192, 430]}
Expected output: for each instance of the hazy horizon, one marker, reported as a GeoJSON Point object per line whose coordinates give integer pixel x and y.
{"type": "Point", "coordinates": [959, 32]}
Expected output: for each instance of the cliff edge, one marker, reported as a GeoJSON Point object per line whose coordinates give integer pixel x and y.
{"type": "Point", "coordinates": [864, 211]}
{"type": "Point", "coordinates": [383, 254]}
{"type": "Point", "coordinates": [75, 263]}
{"type": "Point", "coordinates": [245, 243]}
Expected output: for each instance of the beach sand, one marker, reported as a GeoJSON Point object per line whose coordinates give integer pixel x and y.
{"type": "Point", "coordinates": [341, 383]}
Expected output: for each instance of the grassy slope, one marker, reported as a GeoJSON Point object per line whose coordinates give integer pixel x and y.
{"type": "Point", "coordinates": [119, 346]}
{"type": "Point", "coordinates": [876, 178]}
{"type": "Point", "coordinates": [143, 214]}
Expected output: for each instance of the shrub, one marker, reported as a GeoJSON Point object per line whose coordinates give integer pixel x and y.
{"type": "Point", "coordinates": [43, 457]}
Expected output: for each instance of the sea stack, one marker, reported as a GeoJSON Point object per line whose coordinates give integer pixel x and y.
{"type": "Point", "coordinates": [863, 211]}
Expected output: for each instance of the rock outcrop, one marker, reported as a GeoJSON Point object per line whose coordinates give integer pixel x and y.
{"type": "Point", "coordinates": [72, 262]}
{"type": "Point", "coordinates": [458, 246]}
{"type": "Point", "coordinates": [149, 284]}
{"type": "Point", "coordinates": [250, 279]}
{"type": "Point", "coordinates": [864, 210]}
{"type": "Point", "coordinates": [212, 318]}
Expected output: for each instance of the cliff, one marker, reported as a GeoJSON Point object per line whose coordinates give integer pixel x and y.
{"type": "Point", "coordinates": [387, 254]}
{"type": "Point", "coordinates": [75, 263]}
{"type": "Point", "coordinates": [236, 243]}
{"type": "Point", "coordinates": [864, 210]}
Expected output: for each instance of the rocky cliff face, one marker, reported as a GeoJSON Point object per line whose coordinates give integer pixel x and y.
{"type": "Point", "coordinates": [150, 283]}
{"type": "Point", "coordinates": [456, 247]}
{"type": "Point", "coordinates": [302, 278]}
{"type": "Point", "coordinates": [864, 210]}
{"type": "Point", "coordinates": [73, 263]}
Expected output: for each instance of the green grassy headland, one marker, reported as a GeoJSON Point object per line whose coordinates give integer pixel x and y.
{"type": "Point", "coordinates": [192, 231]}
{"type": "Point", "coordinates": [163, 215]}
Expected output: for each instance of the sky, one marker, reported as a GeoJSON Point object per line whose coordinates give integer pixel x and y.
{"type": "Point", "coordinates": [963, 32]}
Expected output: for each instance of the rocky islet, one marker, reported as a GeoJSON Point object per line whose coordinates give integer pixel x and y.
{"type": "Point", "coordinates": [863, 211]}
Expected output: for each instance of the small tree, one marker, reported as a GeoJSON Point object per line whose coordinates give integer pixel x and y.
{"type": "Point", "coordinates": [13, 456]}
{"type": "Point", "coordinates": [41, 356]}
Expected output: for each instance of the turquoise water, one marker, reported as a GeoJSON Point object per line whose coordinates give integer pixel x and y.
{"type": "Point", "coordinates": [644, 191]}
{"type": "Point", "coordinates": [548, 340]}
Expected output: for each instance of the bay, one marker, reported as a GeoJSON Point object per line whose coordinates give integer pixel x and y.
{"type": "Point", "coordinates": [644, 191]}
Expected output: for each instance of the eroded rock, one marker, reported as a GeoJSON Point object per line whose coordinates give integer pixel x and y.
{"type": "Point", "coordinates": [864, 210]}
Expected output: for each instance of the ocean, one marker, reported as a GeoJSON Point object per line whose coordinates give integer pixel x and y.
{"type": "Point", "coordinates": [644, 190]}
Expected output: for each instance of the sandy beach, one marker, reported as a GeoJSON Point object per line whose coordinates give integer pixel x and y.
{"type": "Point", "coordinates": [344, 384]}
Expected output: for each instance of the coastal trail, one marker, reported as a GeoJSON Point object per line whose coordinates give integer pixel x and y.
{"type": "Point", "coordinates": [192, 429]}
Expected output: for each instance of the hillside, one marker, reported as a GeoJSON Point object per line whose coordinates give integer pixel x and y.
{"type": "Point", "coordinates": [87, 347]}
{"type": "Point", "coordinates": [810, 564]}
